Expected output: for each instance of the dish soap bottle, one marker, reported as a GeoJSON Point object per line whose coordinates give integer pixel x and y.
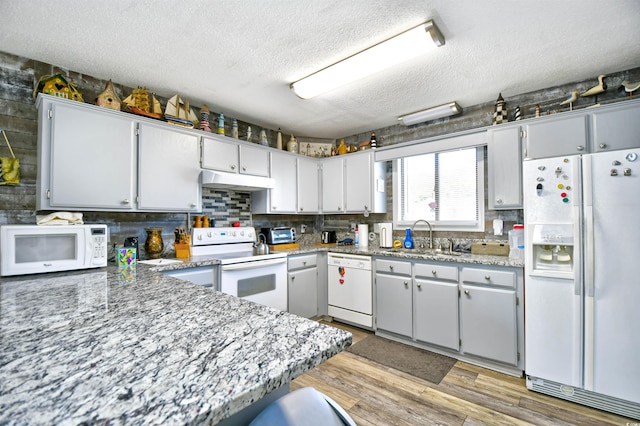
{"type": "Point", "coordinates": [408, 241]}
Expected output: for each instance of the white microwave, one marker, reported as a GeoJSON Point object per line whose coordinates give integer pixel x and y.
{"type": "Point", "coordinates": [34, 249]}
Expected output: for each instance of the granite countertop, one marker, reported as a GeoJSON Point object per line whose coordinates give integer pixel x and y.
{"type": "Point", "coordinates": [416, 254]}
{"type": "Point", "coordinates": [136, 346]}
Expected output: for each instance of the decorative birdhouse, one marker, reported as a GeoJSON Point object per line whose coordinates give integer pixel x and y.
{"type": "Point", "coordinates": [57, 85]}
{"type": "Point", "coordinates": [500, 113]}
{"type": "Point", "coordinates": [109, 98]}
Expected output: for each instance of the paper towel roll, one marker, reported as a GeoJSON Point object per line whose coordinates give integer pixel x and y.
{"type": "Point", "coordinates": [363, 234]}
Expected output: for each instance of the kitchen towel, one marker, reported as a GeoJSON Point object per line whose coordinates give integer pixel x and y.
{"type": "Point", "coordinates": [60, 218]}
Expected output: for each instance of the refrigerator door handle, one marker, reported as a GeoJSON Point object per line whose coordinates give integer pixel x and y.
{"type": "Point", "coordinates": [588, 245]}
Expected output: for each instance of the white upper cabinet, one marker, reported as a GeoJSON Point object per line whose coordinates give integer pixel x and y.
{"type": "Point", "coordinates": [282, 198]}
{"type": "Point", "coordinates": [333, 185]}
{"type": "Point", "coordinates": [308, 178]}
{"type": "Point", "coordinates": [226, 155]}
{"type": "Point", "coordinates": [92, 158]}
{"type": "Point", "coordinates": [168, 169]}
{"type": "Point", "coordinates": [504, 168]}
{"type": "Point", "coordinates": [86, 157]}
{"type": "Point", "coordinates": [617, 127]}
{"type": "Point", "coordinates": [556, 136]}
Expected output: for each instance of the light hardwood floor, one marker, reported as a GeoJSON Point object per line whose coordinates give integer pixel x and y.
{"type": "Point", "coordinates": [373, 394]}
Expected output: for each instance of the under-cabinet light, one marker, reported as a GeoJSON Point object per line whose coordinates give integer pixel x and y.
{"type": "Point", "coordinates": [445, 110]}
{"type": "Point", "coordinates": [406, 45]}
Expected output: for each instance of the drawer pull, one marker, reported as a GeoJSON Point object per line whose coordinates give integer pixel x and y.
{"type": "Point", "coordinates": [406, 283]}
{"type": "Point", "coordinates": [487, 277]}
{"type": "Point", "coordinates": [391, 268]}
{"type": "Point", "coordinates": [466, 292]}
{"type": "Point", "coordinates": [434, 272]}
{"type": "Point", "coordinates": [418, 285]}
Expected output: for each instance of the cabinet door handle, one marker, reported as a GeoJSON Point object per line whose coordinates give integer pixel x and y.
{"type": "Point", "coordinates": [434, 272]}
{"type": "Point", "coordinates": [293, 277]}
{"type": "Point", "coordinates": [304, 263]}
{"type": "Point", "coordinates": [499, 201]}
{"type": "Point", "coordinates": [193, 205]}
{"type": "Point", "coordinates": [406, 283]}
{"type": "Point", "coordinates": [418, 285]}
{"type": "Point", "coordinates": [232, 167]}
{"type": "Point", "coordinates": [391, 268]}
{"type": "Point", "coordinates": [125, 201]}
{"type": "Point", "coordinates": [580, 148]}
{"type": "Point", "coordinates": [244, 169]}
{"type": "Point", "coordinates": [603, 145]}
{"type": "Point", "coordinates": [466, 292]}
{"type": "Point", "coordinates": [487, 277]}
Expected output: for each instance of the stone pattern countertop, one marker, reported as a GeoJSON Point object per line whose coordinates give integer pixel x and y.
{"type": "Point", "coordinates": [134, 346]}
{"type": "Point", "coordinates": [416, 254]}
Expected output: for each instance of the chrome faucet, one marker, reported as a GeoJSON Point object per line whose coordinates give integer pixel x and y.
{"type": "Point", "coordinates": [430, 231]}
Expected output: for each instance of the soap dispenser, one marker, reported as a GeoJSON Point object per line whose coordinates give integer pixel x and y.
{"type": "Point", "coordinates": [408, 241]}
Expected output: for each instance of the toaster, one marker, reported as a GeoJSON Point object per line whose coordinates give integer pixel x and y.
{"type": "Point", "coordinates": [279, 235]}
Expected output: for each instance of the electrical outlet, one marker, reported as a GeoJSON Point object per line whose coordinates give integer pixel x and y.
{"type": "Point", "coordinates": [353, 227]}
{"type": "Point", "coordinates": [303, 229]}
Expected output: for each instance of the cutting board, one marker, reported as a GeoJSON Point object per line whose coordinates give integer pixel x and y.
{"type": "Point", "coordinates": [494, 249]}
{"type": "Point", "coordinates": [291, 246]}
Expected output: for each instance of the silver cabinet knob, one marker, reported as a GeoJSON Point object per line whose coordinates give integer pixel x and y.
{"type": "Point", "coordinates": [603, 145]}
{"type": "Point", "coordinates": [293, 277]}
{"type": "Point", "coordinates": [391, 268]}
{"type": "Point", "coordinates": [580, 148]}
{"type": "Point", "coordinates": [499, 201]}
{"type": "Point", "coordinates": [418, 285]}
{"type": "Point", "coordinates": [125, 201]}
{"type": "Point", "coordinates": [487, 277]}
{"type": "Point", "coordinates": [193, 205]}
{"type": "Point", "coordinates": [466, 292]}
{"type": "Point", "coordinates": [434, 272]}
{"type": "Point", "coordinates": [304, 263]}
{"type": "Point", "coordinates": [406, 283]}
{"type": "Point", "coordinates": [232, 167]}
{"type": "Point", "coordinates": [244, 169]}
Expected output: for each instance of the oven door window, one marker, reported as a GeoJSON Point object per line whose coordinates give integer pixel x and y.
{"type": "Point", "coordinates": [256, 285]}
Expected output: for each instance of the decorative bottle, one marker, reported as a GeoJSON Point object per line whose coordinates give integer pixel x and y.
{"type": "Point", "coordinates": [408, 241]}
{"type": "Point", "coordinates": [221, 124]}
{"type": "Point", "coordinates": [263, 138]}
{"type": "Point", "coordinates": [292, 145]}
{"type": "Point", "coordinates": [279, 140]}
{"type": "Point", "coordinates": [234, 129]}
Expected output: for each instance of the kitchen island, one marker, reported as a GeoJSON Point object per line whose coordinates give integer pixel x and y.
{"type": "Point", "coordinates": [135, 346]}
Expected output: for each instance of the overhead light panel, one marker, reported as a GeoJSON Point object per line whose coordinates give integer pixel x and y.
{"type": "Point", "coordinates": [404, 46]}
{"type": "Point", "coordinates": [445, 110]}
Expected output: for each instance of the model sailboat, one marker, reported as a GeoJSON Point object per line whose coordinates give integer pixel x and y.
{"type": "Point", "coordinates": [178, 112]}
{"type": "Point", "coordinates": [141, 103]}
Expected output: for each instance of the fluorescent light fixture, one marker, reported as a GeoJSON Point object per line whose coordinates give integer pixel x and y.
{"type": "Point", "coordinates": [407, 45]}
{"type": "Point", "coordinates": [446, 110]}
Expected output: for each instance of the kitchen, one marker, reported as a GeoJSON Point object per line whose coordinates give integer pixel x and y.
{"type": "Point", "coordinates": [228, 207]}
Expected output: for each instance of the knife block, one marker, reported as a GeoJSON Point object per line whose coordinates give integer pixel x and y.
{"type": "Point", "coordinates": [183, 250]}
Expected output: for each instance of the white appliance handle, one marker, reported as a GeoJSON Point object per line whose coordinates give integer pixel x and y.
{"type": "Point", "coordinates": [243, 266]}
{"type": "Point", "coordinates": [588, 245]}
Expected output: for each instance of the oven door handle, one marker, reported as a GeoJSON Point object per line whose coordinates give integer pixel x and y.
{"type": "Point", "coordinates": [243, 266]}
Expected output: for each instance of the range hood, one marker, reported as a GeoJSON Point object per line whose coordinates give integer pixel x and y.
{"type": "Point", "coordinates": [235, 181]}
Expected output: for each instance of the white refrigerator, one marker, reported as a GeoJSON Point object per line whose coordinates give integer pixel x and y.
{"type": "Point", "coordinates": [582, 279]}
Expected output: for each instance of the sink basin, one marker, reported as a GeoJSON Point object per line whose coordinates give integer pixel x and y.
{"type": "Point", "coordinates": [158, 262]}
{"type": "Point", "coordinates": [427, 252]}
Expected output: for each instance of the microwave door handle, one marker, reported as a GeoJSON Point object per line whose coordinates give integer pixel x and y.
{"type": "Point", "coordinates": [253, 264]}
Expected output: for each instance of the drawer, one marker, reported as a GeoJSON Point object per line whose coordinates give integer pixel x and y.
{"type": "Point", "coordinates": [304, 261]}
{"type": "Point", "coordinates": [393, 267]}
{"type": "Point", "coordinates": [489, 277]}
{"type": "Point", "coordinates": [436, 272]}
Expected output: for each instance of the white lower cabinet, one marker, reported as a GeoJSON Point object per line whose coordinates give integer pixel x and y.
{"type": "Point", "coordinates": [303, 285]}
{"type": "Point", "coordinates": [436, 304]}
{"type": "Point", "coordinates": [469, 312]}
{"type": "Point", "coordinates": [394, 311]}
{"type": "Point", "coordinates": [488, 314]}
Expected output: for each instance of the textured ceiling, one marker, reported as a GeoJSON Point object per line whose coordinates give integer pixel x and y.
{"type": "Point", "coordinates": [240, 56]}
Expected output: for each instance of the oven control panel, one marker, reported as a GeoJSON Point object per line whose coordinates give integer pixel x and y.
{"type": "Point", "coordinates": [215, 236]}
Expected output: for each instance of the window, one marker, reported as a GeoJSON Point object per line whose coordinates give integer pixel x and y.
{"type": "Point", "coordinates": [444, 188]}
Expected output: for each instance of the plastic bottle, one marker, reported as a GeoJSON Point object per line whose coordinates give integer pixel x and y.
{"type": "Point", "coordinates": [408, 241]}
{"type": "Point", "coordinates": [516, 242]}
{"type": "Point", "coordinates": [357, 240]}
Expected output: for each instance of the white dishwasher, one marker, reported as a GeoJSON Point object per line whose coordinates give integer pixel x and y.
{"type": "Point", "coordinates": [350, 288]}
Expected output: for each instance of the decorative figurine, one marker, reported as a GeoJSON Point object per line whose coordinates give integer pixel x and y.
{"type": "Point", "coordinates": [263, 138]}
{"type": "Point", "coordinates": [141, 103]}
{"type": "Point", "coordinates": [279, 139]}
{"type": "Point", "coordinates": [571, 99]}
{"type": "Point", "coordinates": [537, 110]}
{"type": "Point", "coordinates": [500, 113]}
{"type": "Point", "coordinates": [292, 145]}
{"type": "Point", "coordinates": [179, 112]}
{"type": "Point", "coordinates": [109, 98]}
{"type": "Point", "coordinates": [373, 142]}
{"type": "Point", "coordinates": [600, 88]}
{"type": "Point", "coordinates": [221, 124]}
{"type": "Point", "coordinates": [342, 148]}
{"type": "Point", "coordinates": [204, 119]}
{"type": "Point", "coordinates": [234, 129]}
{"type": "Point", "coordinates": [517, 115]}
{"type": "Point", "coordinates": [249, 135]}
{"type": "Point", "coordinates": [630, 87]}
